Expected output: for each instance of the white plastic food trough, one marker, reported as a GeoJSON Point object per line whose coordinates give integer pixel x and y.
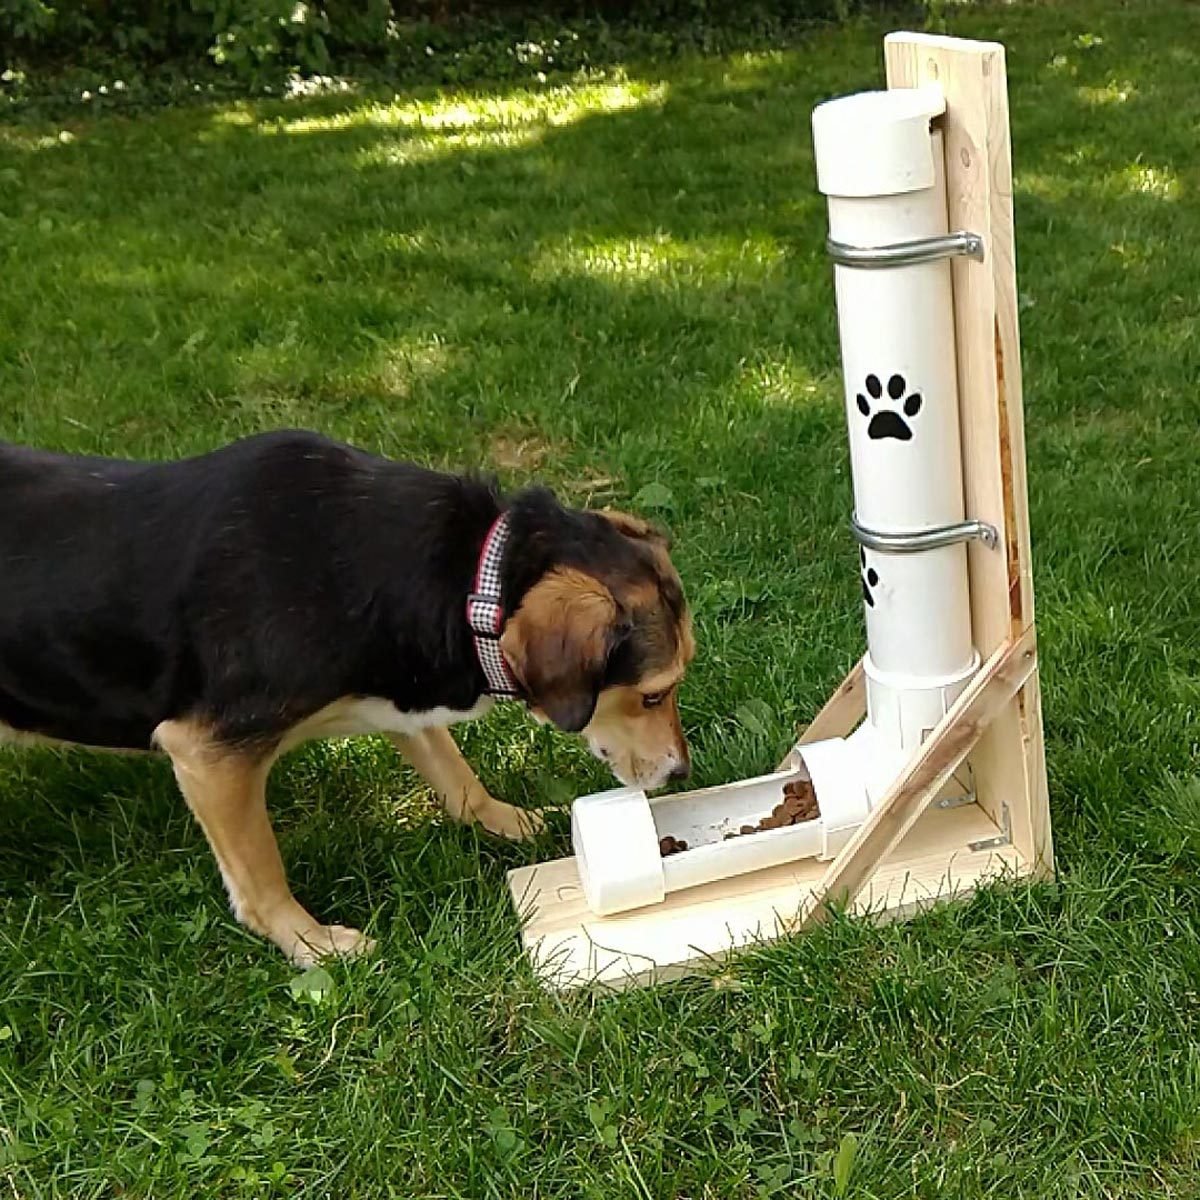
{"type": "Point", "coordinates": [879, 163]}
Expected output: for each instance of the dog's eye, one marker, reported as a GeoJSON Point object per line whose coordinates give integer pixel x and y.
{"type": "Point", "coordinates": [654, 699]}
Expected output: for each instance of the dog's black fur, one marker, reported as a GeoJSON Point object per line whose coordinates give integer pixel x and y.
{"type": "Point", "coordinates": [256, 584]}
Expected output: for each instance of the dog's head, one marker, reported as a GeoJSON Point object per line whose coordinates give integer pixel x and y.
{"type": "Point", "coordinates": [600, 643]}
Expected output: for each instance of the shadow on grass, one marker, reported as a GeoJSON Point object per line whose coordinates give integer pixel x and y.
{"type": "Point", "coordinates": [321, 266]}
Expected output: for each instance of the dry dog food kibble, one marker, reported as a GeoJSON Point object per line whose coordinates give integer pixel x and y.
{"type": "Point", "coordinates": [799, 804]}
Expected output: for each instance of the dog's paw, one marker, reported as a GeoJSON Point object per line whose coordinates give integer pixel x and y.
{"type": "Point", "coordinates": [329, 941]}
{"type": "Point", "coordinates": [505, 820]}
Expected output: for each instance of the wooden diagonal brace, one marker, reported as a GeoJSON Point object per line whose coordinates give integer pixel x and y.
{"type": "Point", "coordinates": [990, 691]}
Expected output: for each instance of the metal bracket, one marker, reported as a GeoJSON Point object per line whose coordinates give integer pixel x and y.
{"type": "Point", "coordinates": [1003, 838]}
{"type": "Point", "coordinates": [907, 254]}
{"type": "Point", "coordinates": [955, 801]}
{"type": "Point", "coordinates": [924, 539]}
{"type": "Point", "coordinates": [988, 843]}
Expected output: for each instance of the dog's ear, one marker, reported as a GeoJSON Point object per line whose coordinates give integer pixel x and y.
{"type": "Point", "coordinates": [558, 641]}
{"type": "Point", "coordinates": [635, 527]}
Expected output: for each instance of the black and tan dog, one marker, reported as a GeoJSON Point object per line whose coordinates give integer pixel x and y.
{"type": "Point", "coordinates": [225, 608]}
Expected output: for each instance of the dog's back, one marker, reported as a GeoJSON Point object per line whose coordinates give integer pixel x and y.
{"type": "Point", "coordinates": [73, 568]}
{"type": "Point", "coordinates": [259, 578]}
{"type": "Point", "coordinates": [103, 564]}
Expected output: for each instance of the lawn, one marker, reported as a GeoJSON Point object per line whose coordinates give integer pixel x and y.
{"type": "Point", "coordinates": [618, 285]}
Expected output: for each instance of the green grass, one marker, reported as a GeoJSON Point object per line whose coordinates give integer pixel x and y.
{"type": "Point", "coordinates": [610, 285]}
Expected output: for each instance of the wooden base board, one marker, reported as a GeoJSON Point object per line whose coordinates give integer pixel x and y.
{"type": "Point", "coordinates": [570, 947]}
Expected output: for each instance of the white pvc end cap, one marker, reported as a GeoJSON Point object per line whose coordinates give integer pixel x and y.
{"type": "Point", "coordinates": [876, 143]}
{"type": "Point", "coordinates": [616, 850]}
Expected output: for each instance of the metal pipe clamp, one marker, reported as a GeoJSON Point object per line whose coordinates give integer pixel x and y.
{"type": "Point", "coordinates": [925, 539]}
{"type": "Point", "coordinates": [907, 254]}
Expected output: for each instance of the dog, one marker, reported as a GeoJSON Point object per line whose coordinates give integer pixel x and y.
{"type": "Point", "coordinates": [225, 608]}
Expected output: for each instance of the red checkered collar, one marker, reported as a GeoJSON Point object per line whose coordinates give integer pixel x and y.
{"type": "Point", "coordinates": [485, 614]}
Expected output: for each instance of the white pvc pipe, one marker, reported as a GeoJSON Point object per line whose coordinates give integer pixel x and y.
{"type": "Point", "coordinates": [616, 838]}
{"type": "Point", "coordinates": [896, 327]}
{"type": "Point", "coordinates": [880, 167]}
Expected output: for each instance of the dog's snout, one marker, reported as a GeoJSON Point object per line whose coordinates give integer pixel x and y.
{"type": "Point", "coordinates": [680, 772]}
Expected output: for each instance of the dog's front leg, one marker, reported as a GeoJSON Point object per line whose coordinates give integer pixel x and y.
{"type": "Point", "coordinates": [226, 791]}
{"type": "Point", "coordinates": [437, 758]}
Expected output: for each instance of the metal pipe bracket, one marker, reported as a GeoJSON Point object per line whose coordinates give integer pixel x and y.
{"type": "Point", "coordinates": [907, 254]}
{"type": "Point", "coordinates": [925, 539]}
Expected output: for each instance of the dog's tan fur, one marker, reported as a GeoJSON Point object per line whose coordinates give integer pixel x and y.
{"type": "Point", "coordinates": [632, 737]}
{"type": "Point", "coordinates": [563, 624]}
{"type": "Point", "coordinates": [226, 790]}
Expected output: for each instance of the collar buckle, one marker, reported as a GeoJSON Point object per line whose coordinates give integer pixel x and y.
{"type": "Point", "coordinates": [485, 616]}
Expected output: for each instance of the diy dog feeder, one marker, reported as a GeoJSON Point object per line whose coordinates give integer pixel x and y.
{"type": "Point", "coordinates": [943, 783]}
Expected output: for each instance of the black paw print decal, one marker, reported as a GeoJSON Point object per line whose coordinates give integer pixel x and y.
{"type": "Point", "coordinates": [886, 422]}
{"type": "Point", "coordinates": [870, 578]}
